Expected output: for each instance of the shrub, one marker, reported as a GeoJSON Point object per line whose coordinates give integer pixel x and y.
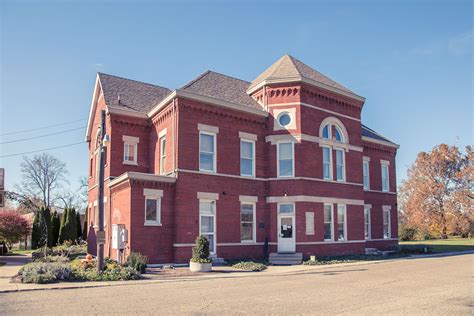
{"type": "Point", "coordinates": [311, 263]}
{"type": "Point", "coordinates": [83, 270]}
{"type": "Point", "coordinates": [44, 272]}
{"type": "Point", "coordinates": [78, 226]}
{"type": "Point", "coordinates": [137, 261]}
{"type": "Point", "coordinates": [250, 266]}
{"type": "Point", "coordinates": [201, 250]}
{"type": "Point", "coordinates": [407, 233]}
{"type": "Point", "coordinates": [55, 225]}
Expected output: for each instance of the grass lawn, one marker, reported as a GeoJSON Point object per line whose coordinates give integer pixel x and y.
{"type": "Point", "coordinates": [445, 245]}
{"type": "Point", "coordinates": [14, 252]}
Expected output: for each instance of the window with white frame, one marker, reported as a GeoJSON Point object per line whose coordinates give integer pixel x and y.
{"type": "Point", "coordinates": [152, 206]}
{"type": "Point", "coordinates": [327, 163]}
{"type": "Point", "coordinates": [365, 171]}
{"type": "Point", "coordinates": [385, 180]}
{"type": "Point", "coordinates": [247, 222]}
{"type": "Point", "coordinates": [367, 228]}
{"type": "Point", "coordinates": [163, 155]}
{"type": "Point", "coordinates": [328, 222]}
{"type": "Point", "coordinates": [340, 165]}
{"type": "Point", "coordinates": [207, 222]}
{"type": "Point", "coordinates": [326, 131]}
{"type": "Point", "coordinates": [341, 222]}
{"type": "Point", "coordinates": [130, 149]}
{"type": "Point", "coordinates": [386, 223]}
{"type": "Point", "coordinates": [285, 159]}
{"type": "Point", "coordinates": [247, 157]}
{"type": "Point", "coordinates": [207, 151]}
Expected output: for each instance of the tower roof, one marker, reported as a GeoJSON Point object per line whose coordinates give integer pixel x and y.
{"type": "Point", "coordinates": [291, 69]}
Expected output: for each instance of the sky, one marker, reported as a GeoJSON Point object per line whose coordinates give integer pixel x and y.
{"type": "Point", "coordinates": [411, 60]}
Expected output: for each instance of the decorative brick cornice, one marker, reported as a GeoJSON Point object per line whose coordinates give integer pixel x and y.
{"type": "Point", "coordinates": [319, 98]}
{"type": "Point", "coordinates": [200, 111]}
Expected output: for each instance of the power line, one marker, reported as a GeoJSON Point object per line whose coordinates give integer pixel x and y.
{"type": "Point", "coordinates": [40, 128]}
{"type": "Point", "coordinates": [46, 149]}
{"type": "Point", "coordinates": [40, 136]}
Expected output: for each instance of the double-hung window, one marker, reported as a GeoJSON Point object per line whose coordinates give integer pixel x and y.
{"type": "Point", "coordinates": [207, 222]}
{"type": "Point", "coordinates": [247, 158]}
{"type": "Point", "coordinates": [385, 180]}
{"type": "Point", "coordinates": [130, 146]}
{"type": "Point", "coordinates": [365, 171]}
{"type": "Point", "coordinates": [386, 222]}
{"type": "Point", "coordinates": [207, 152]}
{"type": "Point", "coordinates": [152, 206]}
{"type": "Point", "coordinates": [247, 222]}
{"type": "Point", "coordinates": [285, 159]}
{"type": "Point", "coordinates": [340, 165]}
{"type": "Point", "coordinates": [328, 222]}
{"type": "Point", "coordinates": [327, 163]}
{"type": "Point", "coordinates": [341, 222]}
{"type": "Point", "coordinates": [367, 228]}
{"type": "Point", "coordinates": [162, 155]}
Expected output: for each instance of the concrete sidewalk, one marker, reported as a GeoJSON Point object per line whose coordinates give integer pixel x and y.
{"type": "Point", "coordinates": [219, 272]}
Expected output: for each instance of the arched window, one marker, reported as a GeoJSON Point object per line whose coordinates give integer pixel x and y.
{"type": "Point", "coordinates": [338, 134]}
{"type": "Point", "coordinates": [332, 129]}
{"type": "Point", "coordinates": [326, 131]}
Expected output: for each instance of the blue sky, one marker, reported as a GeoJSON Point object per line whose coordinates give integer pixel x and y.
{"type": "Point", "coordinates": [412, 60]}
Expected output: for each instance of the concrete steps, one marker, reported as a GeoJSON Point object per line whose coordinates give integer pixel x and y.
{"type": "Point", "coordinates": [285, 258]}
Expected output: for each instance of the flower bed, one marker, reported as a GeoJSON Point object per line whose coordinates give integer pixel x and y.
{"type": "Point", "coordinates": [250, 266]}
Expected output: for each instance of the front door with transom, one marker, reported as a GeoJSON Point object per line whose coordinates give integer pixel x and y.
{"type": "Point", "coordinates": [286, 228]}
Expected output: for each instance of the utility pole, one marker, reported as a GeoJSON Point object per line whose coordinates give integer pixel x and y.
{"type": "Point", "coordinates": [101, 232]}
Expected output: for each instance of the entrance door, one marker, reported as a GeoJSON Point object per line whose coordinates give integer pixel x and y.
{"type": "Point", "coordinates": [286, 228]}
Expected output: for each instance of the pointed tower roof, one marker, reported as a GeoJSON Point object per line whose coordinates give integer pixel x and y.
{"type": "Point", "coordinates": [290, 69]}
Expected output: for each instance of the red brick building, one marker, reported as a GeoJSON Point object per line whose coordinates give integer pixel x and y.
{"type": "Point", "coordinates": [280, 163]}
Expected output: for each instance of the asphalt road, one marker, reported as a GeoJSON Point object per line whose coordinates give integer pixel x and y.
{"type": "Point", "coordinates": [427, 286]}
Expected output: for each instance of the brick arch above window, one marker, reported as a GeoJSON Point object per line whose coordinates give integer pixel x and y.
{"type": "Point", "coordinates": [337, 123]}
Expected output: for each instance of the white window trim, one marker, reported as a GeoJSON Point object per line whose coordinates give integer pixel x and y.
{"type": "Point", "coordinates": [212, 252]}
{"type": "Point", "coordinates": [208, 128]}
{"type": "Point", "coordinates": [330, 162]}
{"type": "Point", "coordinates": [250, 136]}
{"type": "Point", "coordinates": [130, 141]}
{"type": "Point", "coordinates": [253, 157]}
{"type": "Point", "coordinates": [214, 162]}
{"type": "Point", "coordinates": [292, 159]}
{"type": "Point", "coordinates": [384, 165]}
{"type": "Point", "coordinates": [254, 223]}
{"type": "Point", "coordinates": [343, 164]}
{"type": "Point", "coordinates": [367, 208]}
{"type": "Point", "coordinates": [332, 220]}
{"type": "Point", "coordinates": [151, 194]}
{"type": "Point", "coordinates": [333, 121]}
{"type": "Point", "coordinates": [387, 208]}
{"type": "Point", "coordinates": [291, 112]}
{"type": "Point", "coordinates": [345, 221]}
{"type": "Point", "coordinates": [162, 154]}
{"type": "Point", "coordinates": [366, 162]}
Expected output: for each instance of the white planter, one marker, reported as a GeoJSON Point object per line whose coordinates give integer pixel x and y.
{"type": "Point", "coordinates": [200, 267]}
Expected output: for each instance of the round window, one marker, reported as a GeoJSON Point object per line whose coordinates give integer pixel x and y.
{"type": "Point", "coordinates": [284, 119]}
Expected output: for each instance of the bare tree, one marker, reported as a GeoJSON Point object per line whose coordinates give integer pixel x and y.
{"type": "Point", "coordinates": [42, 175]}
{"type": "Point", "coordinates": [76, 199]}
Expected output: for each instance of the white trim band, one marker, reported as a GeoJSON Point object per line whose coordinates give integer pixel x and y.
{"type": "Point", "coordinates": [313, 199]}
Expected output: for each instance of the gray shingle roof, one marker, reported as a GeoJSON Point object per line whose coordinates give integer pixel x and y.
{"type": "Point", "coordinates": [219, 86]}
{"type": "Point", "coordinates": [288, 66]}
{"type": "Point", "coordinates": [368, 132]}
{"type": "Point", "coordinates": [134, 95]}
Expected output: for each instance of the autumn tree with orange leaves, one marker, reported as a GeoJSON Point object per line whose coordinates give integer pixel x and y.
{"type": "Point", "coordinates": [437, 198]}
